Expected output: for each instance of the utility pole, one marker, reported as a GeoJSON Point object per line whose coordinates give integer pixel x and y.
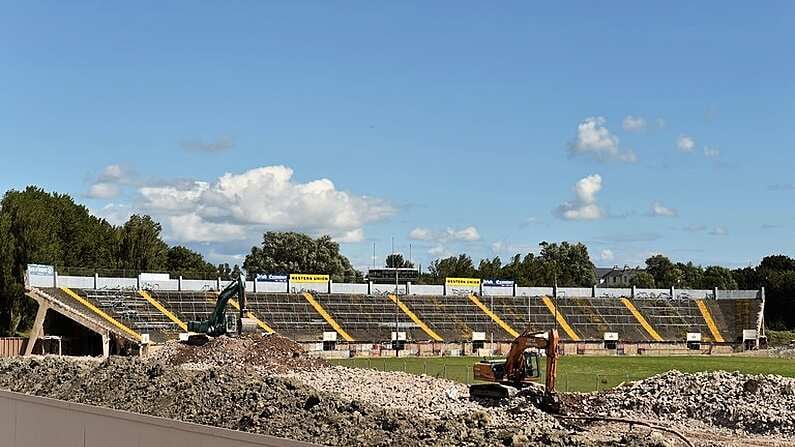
{"type": "Point", "coordinates": [397, 353]}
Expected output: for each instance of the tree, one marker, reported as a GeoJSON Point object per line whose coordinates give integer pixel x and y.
{"type": "Point", "coordinates": [289, 252]}
{"type": "Point", "coordinates": [642, 280]}
{"type": "Point", "coordinates": [460, 266]}
{"type": "Point", "coordinates": [691, 277]}
{"type": "Point", "coordinates": [395, 260]}
{"type": "Point", "coordinates": [141, 248]}
{"type": "Point", "coordinates": [490, 269]}
{"type": "Point", "coordinates": [226, 273]}
{"type": "Point", "coordinates": [664, 271]}
{"type": "Point", "coordinates": [777, 263]}
{"type": "Point", "coordinates": [568, 265]}
{"type": "Point", "coordinates": [720, 277]}
{"type": "Point", "coordinates": [184, 262]}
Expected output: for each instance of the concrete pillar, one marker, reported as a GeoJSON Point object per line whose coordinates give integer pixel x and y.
{"type": "Point", "coordinates": [330, 286]}
{"type": "Point", "coordinates": [673, 292]}
{"type": "Point", "coordinates": [105, 344]}
{"type": "Point", "coordinates": [96, 280]}
{"type": "Point", "coordinates": [480, 289]}
{"type": "Point", "coordinates": [138, 282]}
{"type": "Point", "coordinates": [55, 279]}
{"type": "Point", "coordinates": [555, 291]}
{"type": "Point", "coordinates": [369, 287]}
{"type": "Point", "coordinates": [593, 291]}
{"type": "Point", "coordinates": [514, 290]}
{"type": "Point", "coordinates": [38, 327]}
{"type": "Point", "coordinates": [762, 294]}
{"type": "Point", "coordinates": [408, 287]}
{"type": "Point", "coordinates": [715, 293]}
{"type": "Point", "coordinates": [218, 284]}
{"type": "Point", "coordinates": [634, 289]}
{"type": "Point", "coordinates": [255, 284]}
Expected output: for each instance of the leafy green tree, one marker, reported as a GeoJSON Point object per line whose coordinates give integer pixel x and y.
{"type": "Point", "coordinates": [141, 248]}
{"type": "Point", "coordinates": [460, 266]}
{"type": "Point", "coordinates": [290, 252]}
{"type": "Point", "coordinates": [568, 265]}
{"type": "Point", "coordinates": [691, 277]}
{"type": "Point", "coordinates": [491, 269]}
{"type": "Point", "coordinates": [182, 261]}
{"type": "Point", "coordinates": [720, 277]}
{"type": "Point", "coordinates": [665, 273]}
{"type": "Point", "coordinates": [642, 280]}
{"type": "Point", "coordinates": [396, 260]}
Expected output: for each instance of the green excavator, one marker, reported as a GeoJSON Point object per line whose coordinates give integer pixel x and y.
{"type": "Point", "coordinates": [199, 332]}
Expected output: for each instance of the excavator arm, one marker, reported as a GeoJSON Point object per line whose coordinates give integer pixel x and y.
{"type": "Point", "coordinates": [216, 325]}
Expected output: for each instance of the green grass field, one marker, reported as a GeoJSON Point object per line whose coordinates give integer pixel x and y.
{"type": "Point", "coordinates": [579, 373]}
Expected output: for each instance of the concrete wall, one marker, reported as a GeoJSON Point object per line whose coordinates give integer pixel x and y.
{"type": "Point", "coordinates": [12, 346]}
{"type": "Point", "coordinates": [31, 421]}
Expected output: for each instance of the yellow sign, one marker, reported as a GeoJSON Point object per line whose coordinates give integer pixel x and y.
{"type": "Point", "coordinates": [462, 282]}
{"type": "Point", "coordinates": [308, 278]}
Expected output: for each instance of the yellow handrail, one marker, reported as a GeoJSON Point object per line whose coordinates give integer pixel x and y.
{"type": "Point", "coordinates": [493, 316]}
{"type": "Point", "coordinates": [326, 316]}
{"type": "Point", "coordinates": [641, 319]}
{"type": "Point", "coordinates": [702, 306]}
{"type": "Point", "coordinates": [561, 319]}
{"type": "Point", "coordinates": [102, 314]}
{"type": "Point", "coordinates": [163, 310]}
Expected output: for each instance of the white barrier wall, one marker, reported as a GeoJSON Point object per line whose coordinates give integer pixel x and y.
{"type": "Point", "coordinates": [117, 283]}
{"type": "Point", "coordinates": [534, 291]}
{"type": "Point", "coordinates": [271, 287]}
{"type": "Point", "coordinates": [349, 289]}
{"type": "Point", "coordinates": [608, 292]}
{"type": "Point", "coordinates": [652, 293]}
{"type": "Point", "coordinates": [693, 294]}
{"type": "Point", "coordinates": [574, 291]}
{"type": "Point", "coordinates": [313, 287]}
{"type": "Point", "coordinates": [41, 281]}
{"type": "Point", "coordinates": [76, 282]}
{"type": "Point", "coordinates": [426, 289]}
{"type": "Point", "coordinates": [497, 291]}
{"type": "Point", "coordinates": [387, 289]}
{"type": "Point", "coordinates": [737, 294]}
{"type": "Point", "coordinates": [196, 285]}
{"type": "Point", "coordinates": [171, 284]}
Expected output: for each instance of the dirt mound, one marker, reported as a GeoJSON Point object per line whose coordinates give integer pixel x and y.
{"type": "Point", "coordinates": [755, 404]}
{"type": "Point", "coordinates": [245, 399]}
{"type": "Point", "coordinates": [265, 352]}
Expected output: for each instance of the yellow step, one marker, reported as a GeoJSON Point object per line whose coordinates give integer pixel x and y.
{"type": "Point", "coordinates": [560, 318]}
{"type": "Point", "coordinates": [415, 318]}
{"type": "Point", "coordinates": [713, 328]}
{"type": "Point", "coordinates": [326, 316]}
{"type": "Point", "coordinates": [102, 314]}
{"type": "Point", "coordinates": [163, 310]}
{"type": "Point", "coordinates": [641, 319]}
{"type": "Point", "coordinates": [493, 316]}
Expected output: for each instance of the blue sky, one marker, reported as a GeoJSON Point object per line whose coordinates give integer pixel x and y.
{"type": "Point", "coordinates": [451, 126]}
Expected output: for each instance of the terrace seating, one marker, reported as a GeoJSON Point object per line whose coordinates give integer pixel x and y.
{"type": "Point", "coordinates": [673, 319]}
{"type": "Point", "coordinates": [453, 317]}
{"type": "Point", "coordinates": [583, 317]}
{"type": "Point", "coordinates": [368, 318]}
{"type": "Point", "coordinates": [523, 312]}
{"type": "Point", "coordinates": [617, 318]}
{"type": "Point", "coordinates": [290, 315]}
{"type": "Point", "coordinates": [132, 310]}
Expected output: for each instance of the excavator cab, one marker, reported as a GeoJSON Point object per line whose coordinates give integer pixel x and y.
{"type": "Point", "coordinates": [520, 369]}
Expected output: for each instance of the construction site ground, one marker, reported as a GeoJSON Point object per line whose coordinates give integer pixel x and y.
{"type": "Point", "coordinates": [595, 373]}
{"type": "Point", "coordinates": [269, 385]}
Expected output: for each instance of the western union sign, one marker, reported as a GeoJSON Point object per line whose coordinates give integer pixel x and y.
{"type": "Point", "coordinates": [308, 278]}
{"type": "Point", "coordinates": [462, 282]}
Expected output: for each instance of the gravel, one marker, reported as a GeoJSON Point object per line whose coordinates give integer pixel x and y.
{"type": "Point", "coordinates": [248, 400]}
{"type": "Point", "coordinates": [754, 404]}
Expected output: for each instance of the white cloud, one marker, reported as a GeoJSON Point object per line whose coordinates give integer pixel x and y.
{"type": "Point", "coordinates": [439, 250]}
{"type": "Point", "coordinates": [263, 198]}
{"type": "Point", "coordinates": [606, 255]}
{"type": "Point", "coordinates": [109, 182]}
{"type": "Point", "coordinates": [660, 210]}
{"type": "Point", "coordinates": [102, 190]}
{"type": "Point", "coordinates": [356, 235]}
{"type": "Point", "coordinates": [115, 213]}
{"type": "Point", "coordinates": [711, 152]}
{"type": "Point", "coordinates": [510, 248]}
{"type": "Point", "coordinates": [594, 139]}
{"type": "Point", "coordinates": [718, 231]}
{"type": "Point", "coordinates": [469, 233]}
{"type": "Point", "coordinates": [584, 207]}
{"type": "Point", "coordinates": [634, 123]}
{"type": "Point", "coordinates": [685, 143]}
{"type": "Point", "coordinates": [421, 234]}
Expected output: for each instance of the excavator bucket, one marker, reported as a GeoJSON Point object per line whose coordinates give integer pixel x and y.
{"type": "Point", "coordinates": [491, 391]}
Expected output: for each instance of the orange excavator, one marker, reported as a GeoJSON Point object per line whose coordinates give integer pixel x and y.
{"type": "Point", "coordinates": [520, 369]}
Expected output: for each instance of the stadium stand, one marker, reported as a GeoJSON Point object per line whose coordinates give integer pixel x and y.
{"type": "Point", "coordinates": [130, 309]}
{"type": "Point", "coordinates": [454, 317]}
{"type": "Point", "coordinates": [673, 319]}
{"type": "Point", "coordinates": [289, 314]}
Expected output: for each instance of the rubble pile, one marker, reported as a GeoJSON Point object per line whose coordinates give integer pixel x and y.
{"type": "Point", "coordinates": [245, 399]}
{"type": "Point", "coordinates": [755, 404]}
{"type": "Point", "coordinates": [265, 352]}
